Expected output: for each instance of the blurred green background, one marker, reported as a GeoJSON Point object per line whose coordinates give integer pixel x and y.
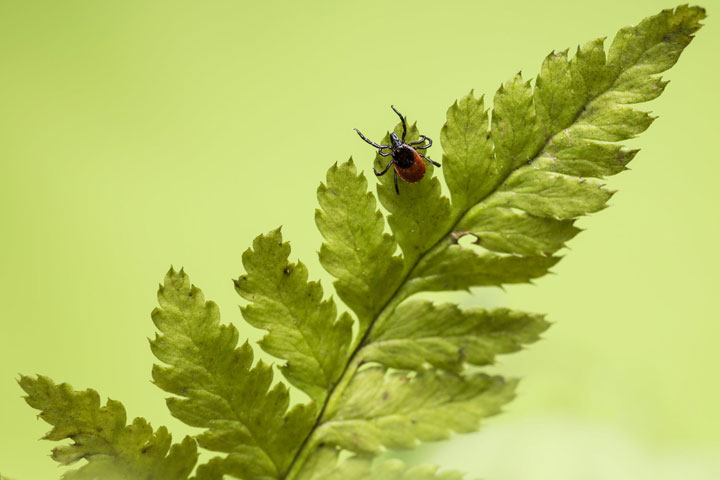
{"type": "Point", "coordinates": [136, 135]}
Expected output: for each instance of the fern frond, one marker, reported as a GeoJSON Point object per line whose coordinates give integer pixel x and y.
{"type": "Point", "coordinates": [519, 176]}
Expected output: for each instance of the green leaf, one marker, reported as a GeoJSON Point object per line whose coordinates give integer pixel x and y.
{"type": "Point", "coordinates": [356, 250]}
{"type": "Point", "coordinates": [217, 388]}
{"type": "Point", "coordinates": [508, 230]}
{"type": "Point", "coordinates": [325, 466]}
{"type": "Point", "coordinates": [549, 194]}
{"type": "Point", "coordinates": [301, 326]}
{"type": "Point", "coordinates": [516, 132]}
{"type": "Point", "coordinates": [468, 168]}
{"type": "Point", "coordinates": [420, 334]}
{"type": "Point", "coordinates": [113, 450]}
{"type": "Point", "coordinates": [419, 214]}
{"type": "Point", "coordinates": [455, 267]}
{"type": "Point", "coordinates": [382, 410]}
{"type": "Point", "coordinates": [557, 94]}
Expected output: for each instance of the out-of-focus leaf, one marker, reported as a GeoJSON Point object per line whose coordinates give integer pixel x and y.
{"type": "Point", "coordinates": [394, 410]}
{"type": "Point", "coordinates": [324, 465]}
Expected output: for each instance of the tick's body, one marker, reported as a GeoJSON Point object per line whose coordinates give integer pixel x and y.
{"type": "Point", "coordinates": [408, 162]}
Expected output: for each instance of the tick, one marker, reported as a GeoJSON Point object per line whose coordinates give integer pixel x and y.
{"type": "Point", "coordinates": [406, 159]}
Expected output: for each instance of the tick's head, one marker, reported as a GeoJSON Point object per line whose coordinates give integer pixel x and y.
{"type": "Point", "coordinates": [395, 140]}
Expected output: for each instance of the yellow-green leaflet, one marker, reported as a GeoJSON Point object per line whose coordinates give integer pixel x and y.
{"type": "Point", "coordinates": [100, 435]}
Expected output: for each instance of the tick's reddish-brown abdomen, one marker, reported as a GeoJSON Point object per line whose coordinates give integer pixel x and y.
{"type": "Point", "coordinates": [413, 173]}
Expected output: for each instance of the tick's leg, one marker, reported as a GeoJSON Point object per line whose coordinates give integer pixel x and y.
{"type": "Point", "coordinates": [387, 167]}
{"type": "Point", "coordinates": [419, 142]}
{"type": "Point", "coordinates": [397, 190]}
{"type": "Point", "coordinates": [429, 160]}
{"type": "Point", "coordinates": [403, 123]}
{"type": "Point", "coordinates": [418, 145]}
{"type": "Point", "coordinates": [379, 147]}
{"type": "Point", "coordinates": [383, 154]}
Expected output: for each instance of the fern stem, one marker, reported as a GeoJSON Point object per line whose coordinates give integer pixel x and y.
{"type": "Point", "coordinates": [309, 444]}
